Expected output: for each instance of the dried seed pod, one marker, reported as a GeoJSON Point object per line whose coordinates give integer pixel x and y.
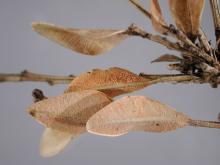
{"type": "Point", "coordinates": [54, 141]}
{"type": "Point", "coordinates": [167, 58]}
{"type": "Point", "coordinates": [65, 117]}
{"type": "Point", "coordinates": [85, 41]}
{"type": "Point", "coordinates": [99, 79]}
{"type": "Point", "coordinates": [157, 19]}
{"type": "Point", "coordinates": [187, 15]}
{"type": "Point", "coordinates": [135, 113]}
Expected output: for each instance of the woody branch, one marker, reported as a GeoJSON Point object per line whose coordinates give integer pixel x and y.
{"type": "Point", "coordinates": [35, 77]}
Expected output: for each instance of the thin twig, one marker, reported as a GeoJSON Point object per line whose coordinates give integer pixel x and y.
{"type": "Point", "coordinates": [204, 42]}
{"type": "Point", "coordinates": [29, 76]}
{"type": "Point", "coordinates": [53, 80]}
{"type": "Point", "coordinates": [134, 30]}
{"type": "Point", "coordinates": [141, 8]}
{"type": "Point", "coordinates": [192, 51]}
{"type": "Point", "coordinates": [202, 123]}
{"type": "Point", "coordinates": [172, 78]}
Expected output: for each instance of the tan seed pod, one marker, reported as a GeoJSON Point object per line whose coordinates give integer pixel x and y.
{"type": "Point", "coordinates": [54, 141]}
{"type": "Point", "coordinates": [157, 19]}
{"type": "Point", "coordinates": [69, 112]}
{"type": "Point", "coordinates": [187, 15]}
{"type": "Point", "coordinates": [167, 58]}
{"type": "Point", "coordinates": [85, 41]}
{"type": "Point", "coordinates": [65, 117]}
{"type": "Point", "coordinates": [98, 79]}
{"type": "Point", "coordinates": [135, 113]}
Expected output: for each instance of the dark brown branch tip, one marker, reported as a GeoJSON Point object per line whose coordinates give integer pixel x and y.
{"type": "Point", "coordinates": [133, 29]}
{"type": "Point", "coordinates": [24, 72]}
{"type": "Point", "coordinates": [2, 79]}
{"type": "Point", "coordinates": [173, 29]}
{"type": "Point", "coordinates": [217, 32]}
{"type": "Point", "coordinates": [50, 82]}
{"type": "Point", "coordinates": [38, 95]}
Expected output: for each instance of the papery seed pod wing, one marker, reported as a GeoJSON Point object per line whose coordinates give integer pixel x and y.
{"type": "Point", "coordinates": [187, 15]}
{"type": "Point", "coordinates": [85, 41]}
{"type": "Point", "coordinates": [65, 117]}
{"type": "Point", "coordinates": [54, 141]}
{"type": "Point", "coordinates": [100, 79]}
{"type": "Point", "coordinates": [135, 113]}
{"type": "Point", "coordinates": [69, 112]}
{"type": "Point", "coordinates": [157, 19]}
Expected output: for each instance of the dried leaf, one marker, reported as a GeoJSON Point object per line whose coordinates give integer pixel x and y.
{"type": "Point", "coordinates": [65, 117]}
{"type": "Point", "coordinates": [167, 58]}
{"type": "Point", "coordinates": [69, 112]}
{"type": "Point", "coordinates": [135, 113]}
{"type": "Point", "coordinates": [187, 15]}
{"type": "Point", "coordinates": [54, 141]}
{"type": "Point", "coordinates": [107, 78]}
{"type": "Point", "coordinates": [85, 41]}
{"type": "Point", "coordinates": [157, 19]}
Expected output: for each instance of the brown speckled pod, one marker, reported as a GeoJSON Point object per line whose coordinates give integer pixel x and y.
{"type": "Point", "coordinates": [103, 78]}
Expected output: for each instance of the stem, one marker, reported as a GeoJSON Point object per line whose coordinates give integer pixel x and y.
{"type": "Point", "coordinates": [29, 76]}
{"type": "Point", "coordinates": [191, 49]}
{"type": "Point", "coordinates": [141, 8]}
{"type": "Point", "coordinates": [175, 78]}
{"type": "Point", "coordinates": [204, 42]}
{"type": "Point", "coordinates": [134, 30]}
{"type": "Point", "coordinates": [53, 80]}
{"type": "Point", "coordinates": [202, 123]}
